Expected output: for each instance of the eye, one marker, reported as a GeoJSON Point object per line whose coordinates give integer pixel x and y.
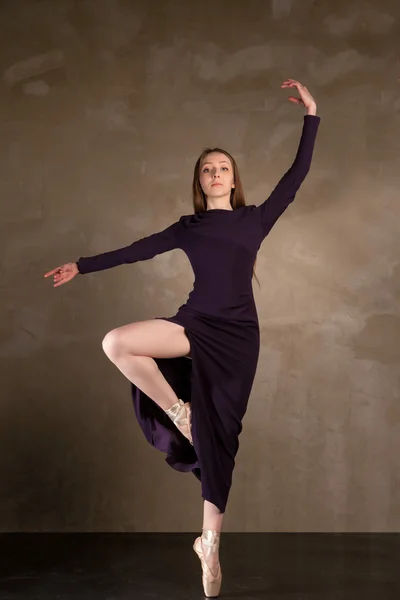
{"type": "Point", "coordinates": [206, 169]}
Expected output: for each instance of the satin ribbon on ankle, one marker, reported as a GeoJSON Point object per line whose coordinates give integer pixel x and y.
{"type": "Point", "coordinates": [180, 414]}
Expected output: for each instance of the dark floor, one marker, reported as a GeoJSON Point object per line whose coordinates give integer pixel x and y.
{"type": "Point", "coordinates": [153, 566]}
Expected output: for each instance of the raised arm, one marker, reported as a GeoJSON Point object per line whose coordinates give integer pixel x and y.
{"type": "Point", "coordinates": [284, 193]}
{"type": "Point", "coordinates": [142, 249]}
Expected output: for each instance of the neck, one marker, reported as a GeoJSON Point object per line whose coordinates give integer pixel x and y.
{"type": "Point", "coordinates": [220, 202]}
{"type": "Point", "coordinates": [219, 208]}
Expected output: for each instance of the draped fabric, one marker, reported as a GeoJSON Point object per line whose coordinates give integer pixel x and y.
{"type": "Point", "coordinates": [220, 320]}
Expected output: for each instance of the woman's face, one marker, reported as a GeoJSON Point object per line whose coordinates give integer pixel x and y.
{"type": "Point", "coordinates": [216, 168]}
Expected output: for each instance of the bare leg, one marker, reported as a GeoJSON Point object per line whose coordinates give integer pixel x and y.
{"type": "Point", "coordinates": [212, 517]}
{"type": "Point", "coordinates": [144, 372]}
{"type": "Point", "coordinates": [132, 347]}
{"type": "Point", "coordinates": [212, 520]}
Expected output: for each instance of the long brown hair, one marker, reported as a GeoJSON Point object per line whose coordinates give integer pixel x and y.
{"type": "Point", "coordinates": [237, 195]}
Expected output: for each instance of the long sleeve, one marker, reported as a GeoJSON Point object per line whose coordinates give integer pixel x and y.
{"type": "Point", "coordinates": [284, 193]}
{"type": "Point", "coordinates": [142, 249]}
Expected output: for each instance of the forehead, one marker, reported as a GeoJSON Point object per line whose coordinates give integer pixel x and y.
{"type": "Point", "coordinates": [216, 158]}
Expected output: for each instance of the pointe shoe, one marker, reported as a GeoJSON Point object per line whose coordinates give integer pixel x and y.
{"type": "Point", "coordinates": [180, 414]}
{"type": "Point", "coordinates": [205, 546]}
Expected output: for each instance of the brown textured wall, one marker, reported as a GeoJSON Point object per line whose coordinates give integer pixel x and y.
{"type": "Point", "coordinates": [105, 106]}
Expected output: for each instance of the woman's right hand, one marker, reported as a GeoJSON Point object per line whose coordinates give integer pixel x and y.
{"type": "Point", "coordinates": [64, 273]}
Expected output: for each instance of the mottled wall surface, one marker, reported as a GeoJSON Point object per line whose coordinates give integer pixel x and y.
{"type": "Point", "coordinates": [105, 107]}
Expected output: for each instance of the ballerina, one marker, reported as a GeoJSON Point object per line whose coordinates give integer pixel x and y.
{"type": "Point", "coordinates": [191, 374]}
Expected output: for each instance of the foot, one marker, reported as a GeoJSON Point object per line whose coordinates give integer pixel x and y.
{"type": "Point", "coordinates": [181, 415]}
{"type": "Point", "coordinates": [206, 548]}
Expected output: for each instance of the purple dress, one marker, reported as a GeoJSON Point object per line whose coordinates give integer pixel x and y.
{"type": "Point", "coordinates": [220, 320]}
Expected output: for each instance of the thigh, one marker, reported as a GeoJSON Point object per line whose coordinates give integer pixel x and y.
{"type": "Point", "coordinates": [156, 338]}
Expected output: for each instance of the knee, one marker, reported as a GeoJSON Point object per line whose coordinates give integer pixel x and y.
{"type": "Point", "coordinates": [111, 344]}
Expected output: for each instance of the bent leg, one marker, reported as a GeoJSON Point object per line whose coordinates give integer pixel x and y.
{"type": "Point", "coordinates": [132, 348]}
{"type": "Point", "coordinates": [156, 338]}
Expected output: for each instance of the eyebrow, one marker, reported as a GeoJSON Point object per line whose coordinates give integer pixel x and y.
{"type": "Point", "coordinates": [209, 163]}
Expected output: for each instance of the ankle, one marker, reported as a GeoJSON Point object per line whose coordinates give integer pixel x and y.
{"type": "Point", "coordinates": [210, 537]}
{"type": "Point", "coordinates": [174, 408]}
{"type": "Point", "coordinates": [208, 532]}
{"type": "Point", "coordinates": [180, 415]}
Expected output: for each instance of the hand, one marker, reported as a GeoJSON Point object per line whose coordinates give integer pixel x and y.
{"type": "Point", "coordinates": [305, 97]}
{"type": "Point", "coordinates": [64, 273]}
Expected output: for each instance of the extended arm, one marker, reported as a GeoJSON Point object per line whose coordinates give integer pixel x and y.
{"type": "Point", "coordinates": [284, 193]}
{"type": "Point", "coordinates": [141, 249]}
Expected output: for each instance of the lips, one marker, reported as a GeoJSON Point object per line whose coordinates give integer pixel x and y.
{"type": "Point", "coordinates": [216, 184]}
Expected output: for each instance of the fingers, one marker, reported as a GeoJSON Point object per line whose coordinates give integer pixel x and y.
{"type": "Point", "coordinates": [60, 283]}
{"type": "Point", "coordinates": [53, 271]}
{"type": "Point", "coordinates": [293, 83]}
{"type": "Point", "coordinates": [305, 96]}
{"type": "Point", "coordinates": [61, 275]}
{"type": "Point", "coordinates": [59, 280]}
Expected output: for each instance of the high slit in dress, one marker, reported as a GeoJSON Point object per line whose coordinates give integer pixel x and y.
{"type": "Point", "coordinates": [220, 320]}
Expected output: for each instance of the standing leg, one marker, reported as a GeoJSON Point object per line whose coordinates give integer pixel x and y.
{"type": "Point", "coordinates": [207, 549]}
{"type": "Point", "coordinates": [212, 517]}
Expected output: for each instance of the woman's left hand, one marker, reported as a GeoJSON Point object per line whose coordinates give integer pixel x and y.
{"type": "Point", "coordinates": [305, 97]}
